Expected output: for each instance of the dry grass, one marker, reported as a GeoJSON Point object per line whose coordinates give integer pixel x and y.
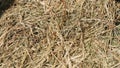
{"type": "Point", "coordinates": [60, 34]}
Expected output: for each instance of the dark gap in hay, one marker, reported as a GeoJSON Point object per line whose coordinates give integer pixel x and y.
{"type": "Point", "coordinates": [4, 5]}
{"type": "Point", "coordinates": [117, 1]}
{"type": "Point", "coordinates": [117, 23]}
{"type": "Point", "coordinates": [117, 19]}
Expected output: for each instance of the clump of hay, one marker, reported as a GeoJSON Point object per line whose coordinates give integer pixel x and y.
{"type": "Point", "coordinates": [60, 34]}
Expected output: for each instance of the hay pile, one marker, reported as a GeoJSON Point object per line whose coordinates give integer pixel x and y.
{"type": "Point", "coordinates": [60, 34]}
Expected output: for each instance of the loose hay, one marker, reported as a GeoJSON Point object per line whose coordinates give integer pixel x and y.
{"type": "Point", "coordinates": [60, 34]}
